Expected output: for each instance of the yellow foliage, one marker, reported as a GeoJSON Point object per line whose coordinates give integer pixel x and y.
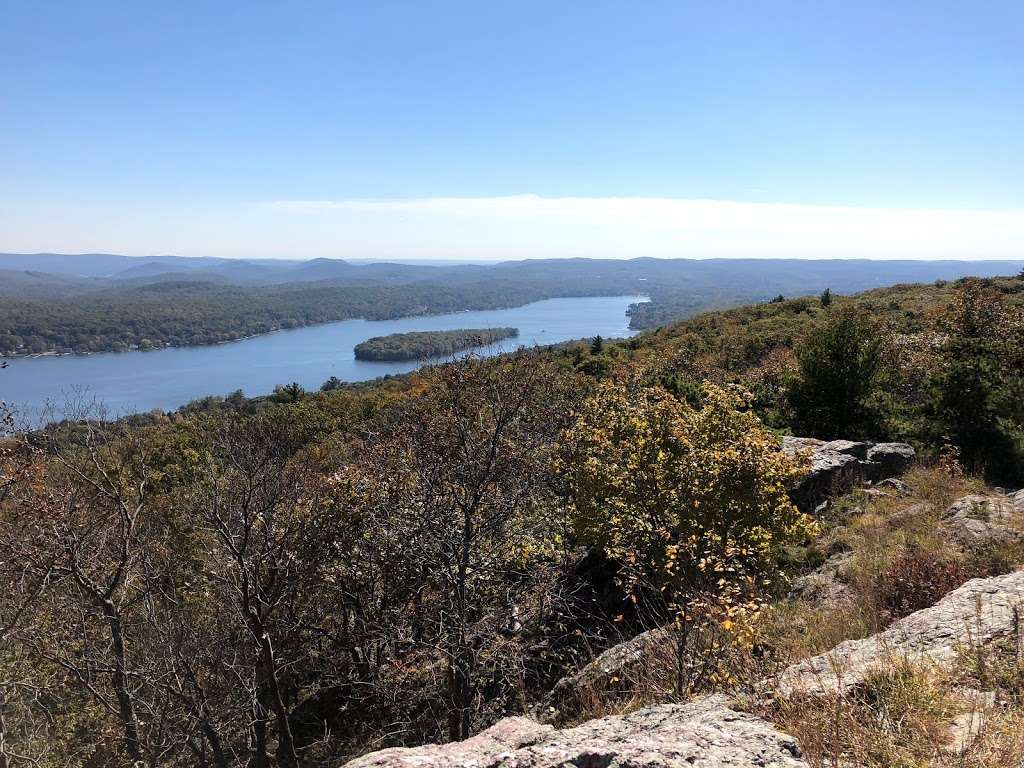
{"type": "Point", "coordinates": [695, 499]}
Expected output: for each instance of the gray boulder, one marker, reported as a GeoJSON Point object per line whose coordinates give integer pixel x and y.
{"type": "Point", "coordinates": [825, 584]}
{"type": "Point", "coordinates": [849, 447]}
{"type": "Point", "coordinates": [791, 444]}
{"type": "Point", "coordinates": [838, 466]}
{"type": "Point", "coordinates": [975, 613]}
{"type": "Point", "coordinates": [976, 521]}
{"type": "Point", "coordinates": [622, 662]}
{"type": "Point", "coordinates": [486, 748]}
{"type": "Point", "coordinates": [889, 459]}
{"type": "Point", "coordinates": [829, 473]}
{"type": "Point", "coordinates": [706, 733]}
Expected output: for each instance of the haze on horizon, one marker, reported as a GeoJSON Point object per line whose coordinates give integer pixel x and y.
{"type": "Point", "coordinates": [453, 130]}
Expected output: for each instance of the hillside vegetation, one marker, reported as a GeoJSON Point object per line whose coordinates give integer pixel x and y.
{"type": "Point", "coordinates": [939, 365]}
{"type": "Point", "coordinates": [297, 580]}
{"type": "Point", "coordinates": [420, 345]}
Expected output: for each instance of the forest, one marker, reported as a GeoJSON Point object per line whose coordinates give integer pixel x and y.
{"type": "Point", "coordinates": [188, 314]}
{"type": "Point", "coordinates": [420, 345]}
{"type": "Point", "coordinates": [296, 581]}
{"type": "Point", "coordinates": [161, 302]}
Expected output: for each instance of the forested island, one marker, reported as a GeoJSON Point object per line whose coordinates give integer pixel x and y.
{"type": "Point", "coordinates": [419, 345]}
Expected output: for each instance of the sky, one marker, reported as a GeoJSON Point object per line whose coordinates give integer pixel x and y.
{"type": "Point", "coordinates": [472, 130]}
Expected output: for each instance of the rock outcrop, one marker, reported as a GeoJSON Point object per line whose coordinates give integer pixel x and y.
{"type": "Point", "coordinates": [709, 732]}
{"type": "Point", "coordinates": [705, 733]}
{"type": "Point", "coordinates": [620, 662]}
{"type": "Point", "coordinates": [976, 521]}
{"type": "Point", "coordinates": [839, 465]}
{"type": "Point", "coordinates": [484, 749]}
{"type": "Point", "coordinates": [975, 613]}
{"type": "Point", "coordinates": [885, 460]}
{"type": "Point", "coordinates": [825, 584]}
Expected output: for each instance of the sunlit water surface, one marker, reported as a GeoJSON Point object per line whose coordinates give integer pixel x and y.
{"type": "Point", "coordinates": [129, 382]}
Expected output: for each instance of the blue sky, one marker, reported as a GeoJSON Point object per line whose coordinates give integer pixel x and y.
{"type": "Point", "coordinates": [495, 130]}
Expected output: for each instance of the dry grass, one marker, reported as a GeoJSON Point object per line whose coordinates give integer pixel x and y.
{"type": "Point", "coordinates": [889, 548]}
{"type": "Point", "coordinates": [795, 630]}
{"type": "Point", "coordinates": [999, 745]}
{"type": "Point", "coordinates": [906, 715]}
{"type": "Point", "coordinates": [895, 550]}
{"type": "Point", "coordinates": [998, 666]}
{"type": "Point", "coordinates": [674, 666]}
{"type": "Point", "coordinates": [940, 485]}
{"type": "Point", "coordinates": [897, 718]}
{"type": "Point", "coordinates": [896, 558]}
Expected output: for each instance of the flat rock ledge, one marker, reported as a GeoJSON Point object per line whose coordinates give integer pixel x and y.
{"type": "Point", "coordinates": [975, 613]}
{"type": "Point", "coordinates": [706, 733]}
{"type": "Point", "coordinates": [838, 466]}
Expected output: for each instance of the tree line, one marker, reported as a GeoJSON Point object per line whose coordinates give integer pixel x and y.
{"type": "Point", "coordinates": [190, 314]}
{"type": "Point", "coordinates": [941, 366]}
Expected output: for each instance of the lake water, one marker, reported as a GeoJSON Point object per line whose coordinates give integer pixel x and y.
{"type": "Point", "coordinates": [130, 382]}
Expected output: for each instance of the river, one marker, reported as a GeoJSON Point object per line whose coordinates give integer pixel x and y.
{"type": "Point", "coordinates": [132, 382]}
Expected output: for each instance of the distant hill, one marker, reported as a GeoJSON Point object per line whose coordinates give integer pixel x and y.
{"type": "Point", "coordinates": [91, 264]}
{"type": "Point", "coordinates": [94, 302]}
{"type": "Point", "coordinates": [21, 283]}
{"type": "Point", "coordinates": [769, 274]}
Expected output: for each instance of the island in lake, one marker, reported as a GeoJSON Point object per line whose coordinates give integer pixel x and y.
{"type": "Point", "coordinates": [422, 344]}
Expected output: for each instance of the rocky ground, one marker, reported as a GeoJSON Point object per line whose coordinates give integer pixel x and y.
{"type": "Point", "coordinates": [837, 466]}
{"type": "Point", "coordinates": [713, 731]}
{"type": "Point", "coordinates": [708, 732]}
{"type": "Point", "coordinates": [976, 613]}
{"type": "Point", "coordinates": [943, 685]}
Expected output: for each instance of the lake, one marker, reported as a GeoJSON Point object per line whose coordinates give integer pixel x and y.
{"type": "Point", "coordinates": [131, 382]}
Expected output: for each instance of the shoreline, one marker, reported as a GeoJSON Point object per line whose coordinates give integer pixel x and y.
{"type": "Point", "coordinates": [56, 353]}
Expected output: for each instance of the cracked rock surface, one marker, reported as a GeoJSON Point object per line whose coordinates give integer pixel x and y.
{"type": "Point", "coordinates": [976, 521]}
{"type": "Point", "coordinates": [705, 733]}
{"type": "Point", "coordinates": [977, 612]}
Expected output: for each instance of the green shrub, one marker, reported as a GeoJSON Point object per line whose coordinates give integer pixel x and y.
{"type": "Point", "coordinates": [839, 369]}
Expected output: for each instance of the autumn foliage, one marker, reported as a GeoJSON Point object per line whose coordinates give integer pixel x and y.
{"type": "Point", "coordinates": [692, 502]}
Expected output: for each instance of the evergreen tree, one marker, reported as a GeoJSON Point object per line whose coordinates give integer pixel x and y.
{"type": "Point", "coordinates": [975, 393]}
{"type": "Point", "coordinates": [839, 369]}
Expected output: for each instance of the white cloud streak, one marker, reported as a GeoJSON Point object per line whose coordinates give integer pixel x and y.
{"type": "Point", "coordinates": [515, 227]}
{"type": "Point", "coordinates": [637, 226]}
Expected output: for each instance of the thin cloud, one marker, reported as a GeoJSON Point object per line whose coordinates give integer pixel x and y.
{"type": "Point", "coordinates": [518, 227]}
{"type": "Point", "coordinates": [602, 226]}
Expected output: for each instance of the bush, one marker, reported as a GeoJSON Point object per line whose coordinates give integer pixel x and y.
{"type": "Point", "coordinates": [840, 368]}
{"type": "Point", "coordinates": [691, 501]}
{"type": "Point", "coordinates": [918, 579]}
{"type": "Point", "coordinates": [976, 394]}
